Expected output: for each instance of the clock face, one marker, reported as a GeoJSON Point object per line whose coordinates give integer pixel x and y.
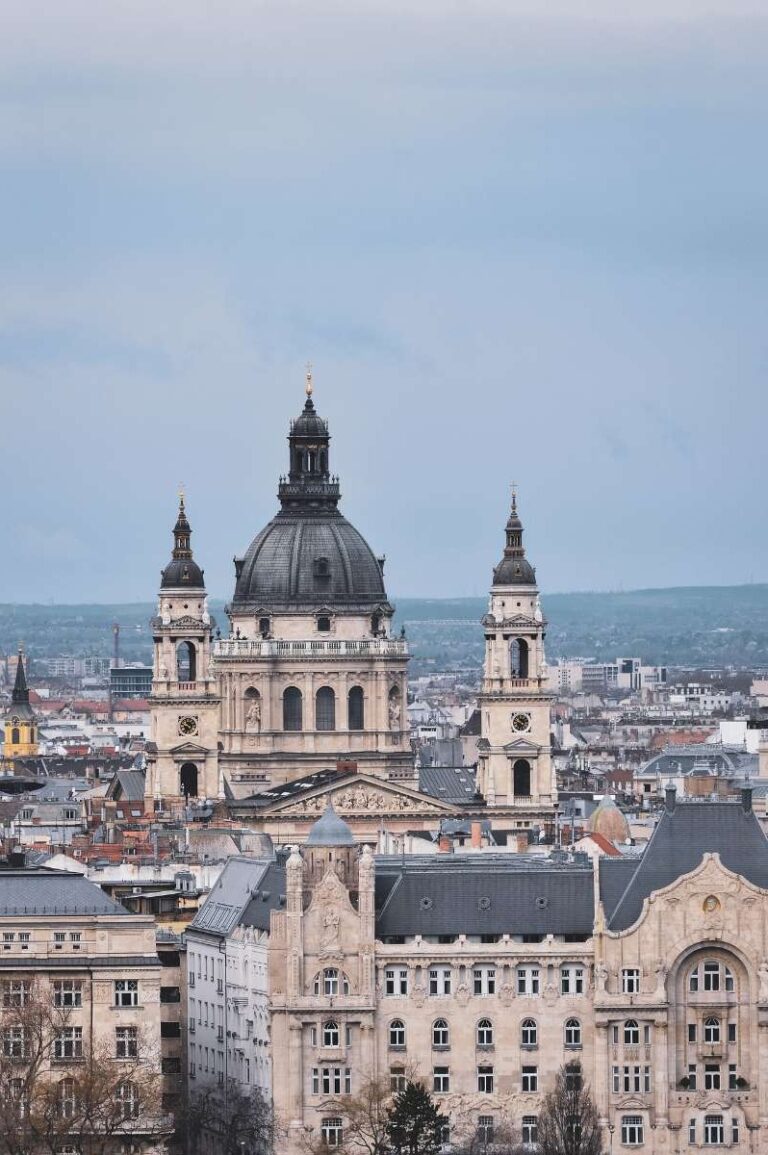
{"type": "Point", "coordinates": [521, 723]}
{"type": "Point", "coordinates": [187, 725]}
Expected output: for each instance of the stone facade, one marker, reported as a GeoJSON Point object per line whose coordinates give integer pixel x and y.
{"type": "Point", "coordinates": [667, 1016]}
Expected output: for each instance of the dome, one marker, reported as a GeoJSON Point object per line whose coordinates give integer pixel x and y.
{"type": "Point", "coordinates": [309, 560]}
{"type": "Point", "coordinates": [330, 830]}
{"type": "Point", "coordinates": [182, 571]}
{"type": "Point", "coordinates": [608, 820]}
{"type": "Point", "coordinates": [514, 569]}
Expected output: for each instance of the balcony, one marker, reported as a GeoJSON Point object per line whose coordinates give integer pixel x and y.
{"type": "Point", "coordinates": [372, 647]}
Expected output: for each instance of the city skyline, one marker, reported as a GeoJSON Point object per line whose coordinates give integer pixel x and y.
{"type": "Point", "coordinates": [531, 248]}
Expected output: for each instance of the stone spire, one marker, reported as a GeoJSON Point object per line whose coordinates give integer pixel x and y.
{"type": "Point", "coordinates": [514, 568]}
{"type": "Point", "coordinates": [182, 572]}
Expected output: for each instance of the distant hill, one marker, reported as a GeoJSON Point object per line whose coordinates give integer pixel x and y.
{"type": "Point", "coordinates": [691, 626]}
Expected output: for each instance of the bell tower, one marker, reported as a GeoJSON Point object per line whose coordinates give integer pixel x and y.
{"type": "Point", "coordinates": [20, 724]}
{"type": "Point", "coordinates": [515, 765]}
{"type": "Point", "coordinates": [182, 756]}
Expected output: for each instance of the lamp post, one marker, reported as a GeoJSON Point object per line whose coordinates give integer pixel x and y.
{"type": "Point", "coordinates": [611, 1129]}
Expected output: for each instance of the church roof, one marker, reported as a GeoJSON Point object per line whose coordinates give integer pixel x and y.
{"type": "Point", "coordinates": [330, 830]}
{"type": "Point", "coordinates": [309, 555]}
{"type": "Point", "coordinates": [182, 571]}
{"type": "Point", "coordinates": [514, 569]}
{"type": "Point", "coordinates": [20, 706]}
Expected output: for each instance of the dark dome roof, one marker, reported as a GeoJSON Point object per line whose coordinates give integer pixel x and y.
{"type": "Point", "coordinates": [184, 573]}
{"type": "Point", "coordinates": [309, 559]}
{"type": "Point", "coordinates": [514, 571]}
{"type": "Point", "coordinates": [330, 830]}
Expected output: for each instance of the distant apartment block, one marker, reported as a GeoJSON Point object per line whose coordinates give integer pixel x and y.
{"type": "Point", "coordinates": [131, 682]}
{"type": "Point", "coordinates": [574, 675]}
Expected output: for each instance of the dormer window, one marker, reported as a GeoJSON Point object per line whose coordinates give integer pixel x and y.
{"type": "Point", "coordinates": [265, 627]}
{"type": "Point", "coordinates": [321, 569]}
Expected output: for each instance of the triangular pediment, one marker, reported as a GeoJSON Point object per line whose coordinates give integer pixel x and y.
{"type": "Point", "coordinates": [520, 748]}
{"type": "Point", "coordinates": [357, 795]}
{"type": "Point", "coordinates": [189, 748]}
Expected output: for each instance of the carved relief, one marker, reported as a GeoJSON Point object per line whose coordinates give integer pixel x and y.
{"type": "Point", "coordinates": [355, 800]}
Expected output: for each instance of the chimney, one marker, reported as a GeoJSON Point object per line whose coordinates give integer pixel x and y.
{"type": "Point", "coordinates": [746, 800]}
{"type": "Point", "coordinates": [444, 845]}
{"type": "Point", "coordinates": [521, 843]}
{"type": "Point", "coordinates": [476, 834]}
{"type": "Point", "coordinates": [670, 796]}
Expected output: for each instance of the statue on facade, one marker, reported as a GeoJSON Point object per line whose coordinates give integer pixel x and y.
{"type": "Point", "coordinates": [253, 717]}
{"type": "Point", "coordinates": [329, 940]}
{"type": "Point", "coordinates": [394, 714]}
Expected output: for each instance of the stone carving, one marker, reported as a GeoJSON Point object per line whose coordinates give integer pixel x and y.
{"type": "Point", "coordinates": [394, 713]}
{"type": "Point", "coordinates": [601, 977]}
{"type": "Point", "coordinates": [253, 717]}
{"type": "Point", "coordinates": [329, 939]}
{"type": "Point", "coordinates": [763, 973]}
{"type": "Point", "coordinates": [355, 801]}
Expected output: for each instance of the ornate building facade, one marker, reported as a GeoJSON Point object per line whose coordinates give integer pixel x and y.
{"type": "Point", "coordinates": [514, 762]}
{"type": "Point", "coordinates": [483, 975]}
{"type": "Point", "coordinates": [310, 674]}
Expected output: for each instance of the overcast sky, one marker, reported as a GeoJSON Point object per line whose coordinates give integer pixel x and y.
{"type": "Point", "coordinates": [515, 248]}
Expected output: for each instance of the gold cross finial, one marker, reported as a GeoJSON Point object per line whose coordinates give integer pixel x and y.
{"type": "Point", "coordinates": [309, 379]}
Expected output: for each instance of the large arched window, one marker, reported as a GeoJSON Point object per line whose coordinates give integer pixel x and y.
{"type": "Point", "coordinates": [440, 1033]}
{"type": "Point", "coordinates": [572, 1033]}
{"type": "Point", "coordinates": [518, 658]}
{"type": "Point", "coordinates": [356, 709]}
{"type": "Point", "coordinates": [529, 1033]}
{"type": "Point", "coordinates": [325, 709]}
{"type": "Point", "coordinates": [485, 1033]}
{"type": "Point", "coordinates": [631, 1033]}
{"type": "Point", "coordinates": [521, 778]}
{"type": "Point", "coordinates": [712, 1030]}
{"type": "Point", "coordinates": [188, 779]}
{"type": "Point", "coordinates": [292, 712]}
{"type": "Point", "coordinates": [331, 1033]}
{"type": "Point", "coordinates": [186, 662]}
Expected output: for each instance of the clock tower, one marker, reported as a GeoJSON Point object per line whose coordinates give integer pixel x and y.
{"type": "Point", "coordinates": [182, 756]}
{"type": "Point", "coordinates": [514, 764]}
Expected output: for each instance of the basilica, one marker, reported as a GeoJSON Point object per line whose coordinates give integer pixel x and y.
{"type": "Point", "coordinates": [303, 699]}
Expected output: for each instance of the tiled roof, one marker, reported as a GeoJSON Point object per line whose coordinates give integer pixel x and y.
{"type": "Point", "coordinates": [52, 892]}
{"type": "Point", "coordinates": [455, 784]}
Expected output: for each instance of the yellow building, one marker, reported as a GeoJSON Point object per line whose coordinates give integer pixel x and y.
{"type": "Point", "coordinates": [20, 724]}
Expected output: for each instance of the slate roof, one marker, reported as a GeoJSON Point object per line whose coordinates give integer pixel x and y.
{"type": "Point", "coordinates": [701, 756]}
{"type": "Point", "coordinates": [240, 886]}
{"type": "Point", "coordinates": [130, 784]}
{"type": "Point", "coordinates": [488, 894]}
{"type": "Point", "coordinates": [677, 846]}
{"type": "Point", "coordinates": [43, 891]}
{"type": "Point", "coordinates": [455, 784]}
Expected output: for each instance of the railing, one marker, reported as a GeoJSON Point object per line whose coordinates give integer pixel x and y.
{"type": "Point", "coordinates": [244, 648]}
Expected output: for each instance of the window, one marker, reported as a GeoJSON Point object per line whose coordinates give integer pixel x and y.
{"type": "Point", "coordinates": [330, 1034]}
{"type": "Point", "coordinates": [67, 993]}
{"type": "Point", "coordinates": [328, 983]}
{"type": "Point", "coordinates": [440, 981]}
{"type": "Point", "coordinates": [712, 1030]}
{"type": "Point", "coordinates": [711, 1076]}
{"type": "Point", "coordinates": [530, 1079]}
{"type": "Point", "coordinates": [692, 1132]}
{"type": "Point", "coordinates": [59, 938]}
{"type": "Point", "coordinates": [333, 1080]}
{"type": "Point", "coordinates": [397, 1033]}
{"type": "Point", "coordinates": [631, 1033]}
{"type": "Point", "coordinates": [714, 978]}
{"type": "Point", "coordinates": [68, 1044]}
{"type": "Point", "coordinates": [323, 626]}
{"type": "Point", "coordinates": [484, 980]}
{"type": "Point", "coordinates": [14, 1043]}
{"type": "Point", "coordinates": [691, 1032]}
{"type": "Point", "coordinates": [635, 1079]}
{"type": "Point", "coordinates": [630, 981]}
{"type": "Point", "coordinates": [485, 1033]}
{"type": "Point", "coordinates": [292, 712]}
{"type": "Point", "coordinates": [691, 1076]}
{"type": "Point", "coordinates": [572, 1033]}
{"type": "Point", "coordinates": [615, 1080]}
{"type": "Point", "coordinates": [398, 1080]}
{"type": "Point", "coordinates": [485, 1079]}
{"type": "Point", "coordinates": [632, 1130]}
{"type": "Point", "coordinates": [265, 626]}
{"type": "Point", "coordinates": [325, 709]}
{"type": "Point", "coordinates": [571, 980]}
{"type": "Point", "coordinates": [331, 1131]}
{"type": "Point", "coordinates": [529, 1033]}
{"type": "Point", "coordinates": [732, 1077]}
{"type": "Point", "coordinates": [127, 1100]}
{"type": "Point", "coordinates": [170, 1030]}
{"type": "Point", "coordinates": [731, 1032]}
{"type": "Point", "coordinates": [67, 1099]}
{"type": "Point", "coordinates": [396, 981]}
{"type": "Point", "coordinates": [485, 1129]}
{"type": "Point", "coordinates": [15, 993]}
{"type": "Point", "coordinates": [8, 937]}
{"type": "Point", "coordinates": [24, 937]}
{"type": "Point", "coordinates": [126, 993]}
{"type": "Point", "coordinates": [734, 1131]}
{"type": "Point", "coordinates": [440, 1034]}
{"type": "Point", "coordinates": [356, 709]}
{"type": "Point", "coordinates": [528, 980]}
{"type": "Point", "coordinates": [530, 1130]}
{"type": "Point", "coordinates": [714, 1130]}
{"type": "Point", "coordinates": [441, 1079]}
{"type": "Point", "coordinates": [170, 995]}
{"type": "Point", "coordinates": [126, 1043]}
{"type": "Point", "coordinates": [573, 1077]}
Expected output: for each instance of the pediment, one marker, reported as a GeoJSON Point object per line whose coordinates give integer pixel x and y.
{"type": "Point", "coordinates": [189, 748]}
{"type": "Point", "coordinates": [359, 795]}
{"type": "Point", "coordinates": [520, 748]}
{"type": "Point", "coordinates": [188, 622]}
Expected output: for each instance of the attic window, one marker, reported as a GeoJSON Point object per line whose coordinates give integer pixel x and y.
{"type": "Point", "coordinates": [426, 903]}
{"type": "Point", "coordinates": [542, 903]}
{"type": "Point", "coordinates": [484, 903]}
{"type": "Point", "coordinates": [323, 624]}
{"type": "Point", "coordinates": [321, 568]}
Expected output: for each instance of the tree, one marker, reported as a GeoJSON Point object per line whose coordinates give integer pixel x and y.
{"type": "Point", "coordinates": [238, 1122]}
{"type": "Point", "coordinates": [57, 1089]}
{"type": "Point", "coordinates": [568, 1123]}
{"type": "Point", "coordinates": [415, 1125]}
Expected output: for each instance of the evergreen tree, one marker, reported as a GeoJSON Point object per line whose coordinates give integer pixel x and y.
{"type": "Point", "coordinates": [415, 1124]}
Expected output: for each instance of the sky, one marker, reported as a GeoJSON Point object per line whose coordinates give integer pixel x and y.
{"type": "Point", "coordinates": [519, 242]}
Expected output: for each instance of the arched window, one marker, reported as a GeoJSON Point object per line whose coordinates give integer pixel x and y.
{"type": "Point", "coordinates": [485, 1033]}
{"type": "Point", "coordinates": [710, 976]}
{"type": "Point", "coordinates": [397, 1033]}
{"type": "Point", "coordinates": [330, 983]}
{"type": "Point", "coordinates": [186, 662]}
{"type": "Point", "coordinates": [292, 712]}
{"type": "Point", "coordinates": [440, 1034]}
{"type": "Point", "coordinates": [188, 780]}
{"type": "Point", "coordinates": [518, 658]}
{"type": "Point", "coordinates": [572, 1033]}
{"type": "Point", "coordinates": [712, 1030]}
{"type": "Point", "coordinates": [15, 736]}
{"type": "Point", "coordinates": [325, 709]}
{"type": "Point", "coordinates": [631, 1033]}
{"type": "Point", "coordinates": [356, 709]}
{"type": "Point", "coordinates": [330, 1034]}
{"type": "Point", "coordinates": [529, 1033]}
{"type": "Point", "coordinates": [521, 778]}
